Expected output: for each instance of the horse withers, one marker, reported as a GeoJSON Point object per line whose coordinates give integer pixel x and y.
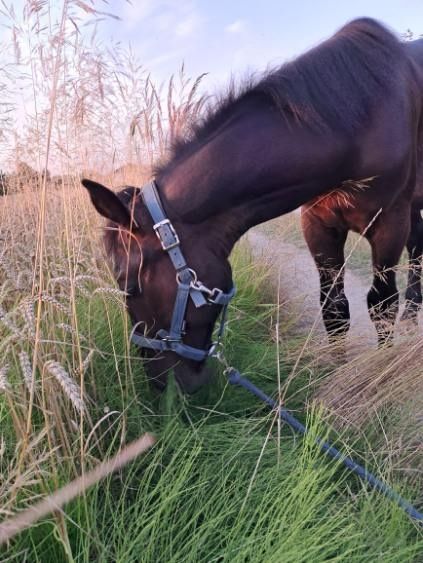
{"type": "Point", "coordinates": [349, 109]}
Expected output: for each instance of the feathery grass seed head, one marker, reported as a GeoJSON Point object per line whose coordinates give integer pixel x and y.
{"type": "Point", "coordinates": [26, 369]}
{"type": "Point", "coordinates": [69, 386]}
{"type": "Point", "coordinates": [4, 383]}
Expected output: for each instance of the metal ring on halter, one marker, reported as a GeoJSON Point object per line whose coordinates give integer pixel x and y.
{"type": "Point", "coordinates": [192, 272]}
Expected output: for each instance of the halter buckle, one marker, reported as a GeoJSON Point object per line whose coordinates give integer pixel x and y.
{"type": "Point", "coordinates": [215, 295]}
{"type": "Point", "coordinates": [166, 234]}
{"type": "Point", "coordinates": [169, 339]}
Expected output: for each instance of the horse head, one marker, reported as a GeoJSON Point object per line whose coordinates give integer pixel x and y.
{"type": "Point", "coordinates": [172, 312]}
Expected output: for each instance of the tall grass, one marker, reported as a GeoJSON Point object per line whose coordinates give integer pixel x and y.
{"type": "Point", "coordinates": [223, 483]}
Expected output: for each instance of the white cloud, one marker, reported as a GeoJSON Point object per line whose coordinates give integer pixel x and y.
{"type": "Point", "coordinates": [188, 25]}
{"type": "Point", "coordinates": [238, 26]}
{"type": "Point", "coordinates": [165, 58]}
{"type": "Point", "coordinates": [181, 19]}
{"type": "Point", "coordinates": [166, 15]}
{"type": "Point", "coordinates": [135, 12]}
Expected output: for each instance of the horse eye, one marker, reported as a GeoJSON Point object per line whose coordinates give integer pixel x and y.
{"type": "Point", "coordinates": [133, 291]}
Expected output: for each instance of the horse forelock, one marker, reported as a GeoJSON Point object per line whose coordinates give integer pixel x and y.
{"type": "Point", "coordinates": [113, 245]}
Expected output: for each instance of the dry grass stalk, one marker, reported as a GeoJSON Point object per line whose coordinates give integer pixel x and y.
{"type": "Point", "coordinates": [27, 308]}
{"type": "Point", "coordinates": [45, 298]}
{"type": "Point", "coordinates": [26, 369]}
{"type": "Point", "coordinates": [374, 380]}
{"type": "Point", "coordinates": [112, 294]}
{"type": "Point", "coordinates": [71, 389]}
{"type": "Point", "coordinates": [80, 101]}
{"type": "Point", "coordinates": [87, 361]}
{"type": "Point", "coordinates": [5, 320]}
{"type": "Point", "coordinates": [4, 383]}
{"type": "Point", "coordinates": [381, 391]}
{"type": "Point", "coordinates": [71, 330]}
{"type": "Point", "coordinates": [78, 486]}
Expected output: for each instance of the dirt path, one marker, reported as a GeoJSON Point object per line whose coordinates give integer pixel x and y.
{"type": "Point", "coordinates": [299, 290]}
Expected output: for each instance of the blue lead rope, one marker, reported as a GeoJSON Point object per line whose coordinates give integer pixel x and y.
{"type": "Point", "coordinates": [235, 378]}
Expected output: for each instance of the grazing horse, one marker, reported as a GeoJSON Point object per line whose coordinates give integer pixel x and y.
{"type": "Point", "coordinates": [344, 114]}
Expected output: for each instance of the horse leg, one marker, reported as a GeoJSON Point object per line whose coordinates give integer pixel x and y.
{"type": "Point", "coordinates": [387, 241]}
{"type": "Point", "coordinates": [413, 294]}
{"type": "Point", "coordinates": [327, 248]}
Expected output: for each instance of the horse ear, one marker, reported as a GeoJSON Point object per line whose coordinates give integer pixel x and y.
{"type": "Point", "coordinates": [108, 204]}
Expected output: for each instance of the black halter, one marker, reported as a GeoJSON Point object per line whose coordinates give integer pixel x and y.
{"type": "Point", "coordinates": [188, 287]}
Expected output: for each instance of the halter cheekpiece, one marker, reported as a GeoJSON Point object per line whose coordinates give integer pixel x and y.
{"type": "Point", "coordinates": [188, 287]}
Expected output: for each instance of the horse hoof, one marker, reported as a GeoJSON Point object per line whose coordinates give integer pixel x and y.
{"type": "Point", "coordinates": [407, 326]}
{"type": "Point", "coordinates": [339, 356]}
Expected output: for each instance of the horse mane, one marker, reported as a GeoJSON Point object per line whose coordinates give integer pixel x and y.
{"type": "Point", "coordinates": [333, 86]}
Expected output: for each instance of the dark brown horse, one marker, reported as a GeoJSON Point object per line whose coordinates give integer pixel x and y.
{"type": "Point", "coordinates": [383, 210]}
{"type": "Point", "coordinates": [346, 111]}
{"type": "Point", "coordinates": [413, 294]}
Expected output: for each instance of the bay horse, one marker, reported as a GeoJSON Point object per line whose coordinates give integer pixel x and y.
{"type": "Point", "coordinates": [327, 219]}
{"type": "Point", "coordinates": [413, 293]}
{"type": "Point", "coordinates": [347, 110]}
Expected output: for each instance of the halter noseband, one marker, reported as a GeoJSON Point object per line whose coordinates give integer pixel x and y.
{"type": "Point", "coordinates": [188, 287]}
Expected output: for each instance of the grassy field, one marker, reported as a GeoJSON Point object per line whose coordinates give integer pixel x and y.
{"type": "Point", "coordinates": [225, 481]}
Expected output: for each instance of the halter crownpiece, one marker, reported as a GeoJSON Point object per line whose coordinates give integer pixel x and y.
{"type": "Point", "coordinates": [188, 287]}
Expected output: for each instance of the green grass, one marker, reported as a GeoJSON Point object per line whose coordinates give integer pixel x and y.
{"type": "Point", "coordinates": [224, 482]}
{"type": "Point", "coordinates": [219, 493]}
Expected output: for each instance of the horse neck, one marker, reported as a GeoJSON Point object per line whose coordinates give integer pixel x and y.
{"type": "Point", "coordinates": [255, 167]}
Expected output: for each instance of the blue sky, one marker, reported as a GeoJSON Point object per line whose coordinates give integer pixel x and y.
{"type": "Point", "coordinates": [223, 37]}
